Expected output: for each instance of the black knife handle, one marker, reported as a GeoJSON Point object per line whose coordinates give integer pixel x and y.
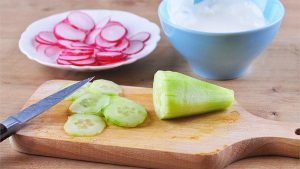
{"type": "Point", "coordinates": [3, 132]}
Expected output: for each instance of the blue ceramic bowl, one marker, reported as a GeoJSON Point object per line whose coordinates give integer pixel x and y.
{"type": "Point", "coordinates": [223, 56]}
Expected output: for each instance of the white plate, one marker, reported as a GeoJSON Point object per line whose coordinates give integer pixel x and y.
{"type": "Point", "coordinates": [133, 22]}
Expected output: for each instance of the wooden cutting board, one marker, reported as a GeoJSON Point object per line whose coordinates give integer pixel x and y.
{"type": "Point", "coordinates": [209, 141]}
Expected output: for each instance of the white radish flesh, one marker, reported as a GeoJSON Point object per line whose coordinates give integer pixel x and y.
{"type": "Point", "coordinates": [41, 48]}
{"type": "Point", "coordinates": [81, 21]}
{"type": "Point", "coordinates": [47, 37]}
{"type": "Point", "coordinates": [41, 41]}
{"type": "Point", "coordinates": [104, 44]}
{"type": "Point", "coordinates": [113, 33]}
{"type": "Point", "coordinates": [134, 47]}
{"type": "Point", "coordinates": [91, 39]}
{"type": "Point", "coordinates": [52, 51]}
{"type": "Point", "coordinates": [120, 47]}
{"type": "Point", "coordinates": [65, 44]}
{"type": "Point", "coordinates": [103, 22]}
{"type": "Point", "coordinates": [67, 32]}
{"type": "Point", "coordinates": [141, 36]}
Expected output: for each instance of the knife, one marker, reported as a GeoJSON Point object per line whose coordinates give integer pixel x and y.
{"type": "Point", "coordinates": [15, 122]}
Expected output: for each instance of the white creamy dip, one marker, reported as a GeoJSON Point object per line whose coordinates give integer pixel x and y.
{"type": "Point", "coordinates": [216, 15]}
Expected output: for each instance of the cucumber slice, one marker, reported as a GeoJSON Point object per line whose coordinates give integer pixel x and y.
{"type": "Point", "coordinates": [81, 91]}
{"type": "Point", "coordinates": [177, 95]}
{"type": "Point", "coordinates": [105, 87]}
{"type": "Point", "coordinates": [84, 125]}
{"type": "Point", "coordinates": [90, 104]}
{"type": "Point", "coordinates": [124, 112]}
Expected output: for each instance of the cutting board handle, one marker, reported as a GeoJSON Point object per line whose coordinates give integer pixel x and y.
{"type": "Point", "coordinates": [279, 138]}
{"type": "Point", "coordinates": [282, 140]}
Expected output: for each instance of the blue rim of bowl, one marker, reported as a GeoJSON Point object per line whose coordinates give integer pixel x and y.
{"type": "Point", "coordinates": [166, 20]}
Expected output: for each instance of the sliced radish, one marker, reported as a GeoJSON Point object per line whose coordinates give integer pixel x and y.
{"type": "Point", "coordinates": [65, 44]}
{"type": "Point", "coordinates": [86, 62]}
{"type": "Point", "coordinates": [113, 33]}
{"type": "Point", "coordinates": [104, 44]}
{"type": "Point", "coordinates": [74, 58]}
{"type": "Point", "coordinates": [63, 62]}
{"type": "Point", "coordinates": [76, 52]}
{"type": "Point", "coordinates": [41, 41]}
{"type": "Point", "coordinates": [47, 37]}
{"type": "Point", "coordinates": [73, 45]}
{"type": "Point", "coordinates": [110, 56]}
{"type": "Point", "coordinates": [76, 40]}
{"type": "Point", "coordinates": [141, 36]}
{"type": "Point", "coordinates": [134, 47]}
{"type": "Point", "coordinates": [120, 47]}
{"type": "Point", "coordinates": [81, 21]}
{"type": "Point", "coordinates": [41, 48]}
{"type": "Point", "coordinates": [52, 51]}
{"type": "Point", "coordinates": [67, 32]}
{"type": "Point", "coordinates": [110, 23]}
{"type": "Point", "coordinates": [91, 39]}
{"type": "Point", "coordinates": [37, 45]}
{"type": "Point", "coordinates": [80, 45]}
{"type": "Point", "coordinates": [103, 22]}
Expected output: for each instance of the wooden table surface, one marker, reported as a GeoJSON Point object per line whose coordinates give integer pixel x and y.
{"type": "Point", "coordinates": [270, 90]}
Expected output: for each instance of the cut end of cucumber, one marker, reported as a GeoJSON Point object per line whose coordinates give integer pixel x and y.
{"type": "Point", "coordinates": [177, 95]}
{"type": "Point", "coordinates": [159, 98]}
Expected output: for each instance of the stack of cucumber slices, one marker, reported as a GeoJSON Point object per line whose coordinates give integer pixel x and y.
{"type": "Point", "coordinates": [97, 102]}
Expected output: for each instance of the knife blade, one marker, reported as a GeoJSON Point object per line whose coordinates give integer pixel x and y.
{"type": "Point", "coordinates": [15, 122]}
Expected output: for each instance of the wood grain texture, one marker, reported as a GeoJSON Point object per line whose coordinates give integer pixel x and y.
{"type": "Point", "coordinates": [212, 141]}
{"type": "Point", "coordinates": [270, 90]}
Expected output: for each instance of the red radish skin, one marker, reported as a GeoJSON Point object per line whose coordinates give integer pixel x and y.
{"type": "Point", "coordinates": [86, 62]}
{"type": "Point", "coordinates": [113, 33]}
{"type": "Point", "coordinates": [141, 36]}
{"type": "Point", "coordinates": [80, 44]}
{"type": "Point", "coordinates": [134, 47]}
{"type": "Point", "coordinates": [47, 37]}
{"type": "Point", "coordinates": [110, 23]}
{"type": "Point", "coordinates": [104, 44]}
{"type": "Point", "coordinates": [64, 44]}
{"type": "Point", "coordinates": [120, 47]}
{"type": "Point", "coordinates": [77, 52]}
{"type": "Point", "coordinates": [73, 45]}
{"type": "Point", "coordinates": [110, 57]}
{"type": "Point", "coordinates": [41, 41]}
{"type": "Point", "coordinates": [52, 51]}
{"type": "Point", "coordinates": [63, 62]}
{"type": "Point", "coordinates": [74, 58]}
{"type": "Point", "coordinates": [81, 21]}
{"type": "Point", "coordinates": [91, 38]}
{"type": "Point", "coordinates": [103, 22]}
{"type": "Point", "coordinates": [66, 32]}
